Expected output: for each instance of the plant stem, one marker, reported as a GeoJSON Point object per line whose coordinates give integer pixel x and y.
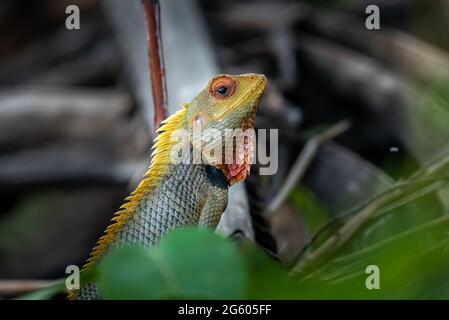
{"type": "Point", "coordinates": [155, 56]}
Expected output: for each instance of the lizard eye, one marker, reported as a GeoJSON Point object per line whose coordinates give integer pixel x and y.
{"type": "Point", "coordinates": [222, 87]}
{"type": "Point", "coordinates": [222, 90]}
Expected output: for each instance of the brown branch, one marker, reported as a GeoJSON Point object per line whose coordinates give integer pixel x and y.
{"type": "Point", "coordinates": [155, 55]}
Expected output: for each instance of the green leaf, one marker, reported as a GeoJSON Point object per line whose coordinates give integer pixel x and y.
{"type": "Point", "coordinates": [267, 278]}
{"type": "Point", "coordinates": [131, 273]}
{"type": "Point", "coordinates": [188, 263]}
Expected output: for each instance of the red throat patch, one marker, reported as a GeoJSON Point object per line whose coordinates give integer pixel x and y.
{"type": "Point", "coordinates": [236, 172]}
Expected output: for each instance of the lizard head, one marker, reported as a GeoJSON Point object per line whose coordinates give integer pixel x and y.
{"type": "Point", "coordinates": [227, 106]}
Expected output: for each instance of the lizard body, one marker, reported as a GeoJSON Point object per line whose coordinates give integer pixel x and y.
{"type": "Point", "coordinates": [173, 195]}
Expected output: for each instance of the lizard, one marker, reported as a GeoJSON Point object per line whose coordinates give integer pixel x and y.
{"type": "Point", "coordinates": [172, 195]}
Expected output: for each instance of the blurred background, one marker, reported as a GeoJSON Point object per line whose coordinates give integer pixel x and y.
{"type": "Point", "coordinates": [371, 107]}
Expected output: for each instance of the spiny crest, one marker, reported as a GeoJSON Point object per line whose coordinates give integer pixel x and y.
{"type": "Point", "coordinates": [158, 168]}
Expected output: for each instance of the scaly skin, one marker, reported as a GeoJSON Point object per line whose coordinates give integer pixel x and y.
{"type": "Point", "coordinates": [175, 195]}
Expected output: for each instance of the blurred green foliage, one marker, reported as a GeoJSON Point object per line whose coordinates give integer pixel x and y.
{"type": "Point", "coordinates": [25, 222]}
{"type": "Point", "coordinates": [312, 210]}
{"type": "Point", "coordinates": [197, 263]}
{"type": "Point", "coordinates": [189, 263]}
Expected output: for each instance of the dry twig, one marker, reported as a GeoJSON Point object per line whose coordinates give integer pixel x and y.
{"type": "Point", "coordinates": [302, 162]}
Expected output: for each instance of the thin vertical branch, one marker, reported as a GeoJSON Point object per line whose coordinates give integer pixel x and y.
{"type": "Point", "coordinates": [156, 60]}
